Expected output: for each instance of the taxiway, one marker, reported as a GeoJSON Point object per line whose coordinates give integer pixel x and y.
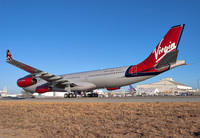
{"type": "Point", "coordinates": [152, 99]}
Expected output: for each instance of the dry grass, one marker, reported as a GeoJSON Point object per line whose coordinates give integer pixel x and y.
{"type": "Point", "coordinates": [47, 119]}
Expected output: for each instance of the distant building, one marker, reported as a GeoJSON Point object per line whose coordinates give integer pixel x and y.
{"type": "Point", "coordinates": [4, 93]}
{"type": "Point", "coordinates": [165, 85]}
{"type": "Point", "coordinates": [50, 94]}
{"type": "Point", "coordinates": [147, 91]}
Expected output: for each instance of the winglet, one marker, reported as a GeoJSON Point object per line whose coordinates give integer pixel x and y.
{"type": "Point", "coordinates": [8, 55]}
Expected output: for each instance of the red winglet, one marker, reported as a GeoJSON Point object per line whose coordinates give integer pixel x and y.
{"type": "Point", "coordinates": [8, 55]}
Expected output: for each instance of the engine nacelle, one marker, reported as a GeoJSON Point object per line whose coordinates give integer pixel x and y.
{"type": "Point", "coordinates": [25, 82]}
{"type": "Point", "coordinates": [111, 89]}
{"type": "Point", "coordinates": [43, 89]}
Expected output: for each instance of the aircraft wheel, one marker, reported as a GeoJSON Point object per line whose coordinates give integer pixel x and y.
{"type": "Point", "coordinates": [93, 95]}
{"type": "Point", "coordinates": [66, 95]}
{"type": "Point", "coordinates": [84, 95]}
{"type": "Point", "coordinates": [70, 95]}
{"type": "Point", "coordinates": [74, 95]}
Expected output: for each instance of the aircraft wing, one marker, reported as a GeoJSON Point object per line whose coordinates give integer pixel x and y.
{"type": "Point", "coordinates": [36, 72]}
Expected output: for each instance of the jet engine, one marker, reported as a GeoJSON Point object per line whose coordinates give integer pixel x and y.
{"type": "Point", "coordinates": [43, 88]}
{"type": "Point", "coordinates": [26, 81]}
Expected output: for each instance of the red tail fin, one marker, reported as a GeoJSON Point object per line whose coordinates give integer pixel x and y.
{"type": "Point", "coordinates": [168, 44]}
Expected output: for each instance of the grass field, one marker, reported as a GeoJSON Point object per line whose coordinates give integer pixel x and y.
{"type": "Point", "coordinates": [50, 119]}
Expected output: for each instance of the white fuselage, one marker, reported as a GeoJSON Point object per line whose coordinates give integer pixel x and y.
{"type": "Point", "coordinates": [105, 78]}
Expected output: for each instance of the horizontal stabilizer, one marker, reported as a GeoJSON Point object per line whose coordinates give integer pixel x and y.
{"type": "Point", "coordinates": [169, 58]}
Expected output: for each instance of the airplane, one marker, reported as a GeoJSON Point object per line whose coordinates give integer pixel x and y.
{"type": "Point", "coordinates": [162, 59]}
{"type": "Point", "coordinates": [132, 89]}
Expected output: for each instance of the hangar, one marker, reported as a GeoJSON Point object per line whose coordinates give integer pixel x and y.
{"type": "Point", "coordinates": [166, 85]}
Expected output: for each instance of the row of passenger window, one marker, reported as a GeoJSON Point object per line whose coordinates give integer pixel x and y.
{"type": "Point", "coordinates": [106, 74]}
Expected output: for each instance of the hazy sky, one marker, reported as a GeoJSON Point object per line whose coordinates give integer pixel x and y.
{"type": "Point", "coordinates": [67, 36]}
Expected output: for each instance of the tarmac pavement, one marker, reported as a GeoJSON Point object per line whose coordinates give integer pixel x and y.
{"type": "Point", "coordinates": [147, 99]}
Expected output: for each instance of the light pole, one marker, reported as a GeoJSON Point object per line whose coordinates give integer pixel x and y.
{"type": "Point", "coordinates": [198, 83]}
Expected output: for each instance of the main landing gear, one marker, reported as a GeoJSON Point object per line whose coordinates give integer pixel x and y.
{"type": "Point", "coordinates": [70, 95]}
{"type": "Point", "coordinates": [83, 94]}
